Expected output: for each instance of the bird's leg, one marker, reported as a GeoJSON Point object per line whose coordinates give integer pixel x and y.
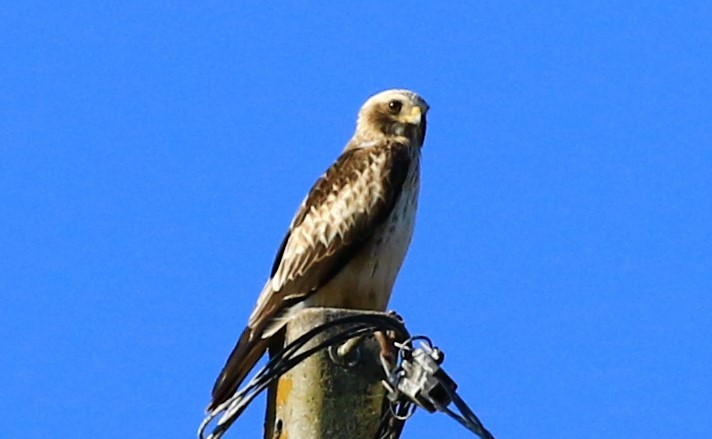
{"type": "Point", "coordinates": [387, 340]}
{"type": "Point", "coordinates": [388, 351]}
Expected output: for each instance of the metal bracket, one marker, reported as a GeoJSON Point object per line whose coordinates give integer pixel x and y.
{"type": "Point", "coordinates": [422, 380]}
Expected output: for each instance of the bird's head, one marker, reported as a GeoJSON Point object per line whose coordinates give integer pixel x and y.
{"type": "Point", "coordinates": [394, 114]}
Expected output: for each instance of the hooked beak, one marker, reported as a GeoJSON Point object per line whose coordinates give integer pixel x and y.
{"type": "Point", "coordinates": [415, 116]}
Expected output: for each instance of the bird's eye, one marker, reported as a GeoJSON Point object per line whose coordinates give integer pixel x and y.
{"type": "Point", "coordinates": [395, 106]}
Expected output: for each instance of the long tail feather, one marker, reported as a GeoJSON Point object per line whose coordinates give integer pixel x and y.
{"type": "Point", "coordinates": [248, 350]}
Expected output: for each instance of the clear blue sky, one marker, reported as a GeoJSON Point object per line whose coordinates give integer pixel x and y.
{"type": "Point", "coordinates": [152, 155]}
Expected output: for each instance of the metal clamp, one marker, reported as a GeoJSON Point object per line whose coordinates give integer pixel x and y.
{"type": "Point", "coordinates": [420, 378]}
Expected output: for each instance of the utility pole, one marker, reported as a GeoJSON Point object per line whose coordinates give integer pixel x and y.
{"type": "Point", "coordinates": [322, 399]}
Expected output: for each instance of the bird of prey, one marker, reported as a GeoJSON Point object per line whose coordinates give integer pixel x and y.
{"type": "Point", "coordinates": [350, 235]}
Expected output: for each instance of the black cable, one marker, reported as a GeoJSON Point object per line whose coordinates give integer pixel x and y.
{"type": "Point", "coordinates": [418, 367]}
{"type": "Point", "coordinates": [278, 366]}
{"type": "Point", "coordinates": [396, 409]}
{"type": "Point", "coordinates": [468, 419]}
{"type": "Point", "coordinates": [288, 357]}
{"type": "Point", "coordinates": [393, 417]}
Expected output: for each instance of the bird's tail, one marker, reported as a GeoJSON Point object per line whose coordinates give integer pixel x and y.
{"type": "Point", "coordinates": [247, 352]}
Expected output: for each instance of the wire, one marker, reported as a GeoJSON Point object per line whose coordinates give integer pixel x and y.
{"type": "Point", "coordinates": [289, 357]}
{"type": "Point", "coordinates": [416, 370]}
{"type": "Point", "coordinates": [426, 360]}
{"type": "Point", "coordinates": [393, 417]}
{"type": "Point", "coordinates": [468, 419]}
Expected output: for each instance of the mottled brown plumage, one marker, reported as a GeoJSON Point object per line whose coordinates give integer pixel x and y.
{"type": "Point", "coordinates": [349, 237]}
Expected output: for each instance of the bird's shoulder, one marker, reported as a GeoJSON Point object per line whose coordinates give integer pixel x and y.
{"type": "Point", "coordinates": [343, 207]}
{"type": "Point", "coordinates": [373, 172]}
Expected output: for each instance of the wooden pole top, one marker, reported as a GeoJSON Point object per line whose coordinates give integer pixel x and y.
{"type": "Point", "coordinates": [320, 399]}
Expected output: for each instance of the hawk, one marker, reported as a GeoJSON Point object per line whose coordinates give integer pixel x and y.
{"type": "Point", "coordinates": [350, 235]}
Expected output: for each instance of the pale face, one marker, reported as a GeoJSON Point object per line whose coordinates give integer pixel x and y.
{"type": "Point", "coordinates": [399, 113]}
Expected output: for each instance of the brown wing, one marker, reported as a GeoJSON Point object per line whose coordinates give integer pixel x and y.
{"type": "Point", "coordinates": [353, 197]}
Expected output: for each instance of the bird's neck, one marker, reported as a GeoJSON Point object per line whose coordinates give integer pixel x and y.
{"type": "Point", "coordinates": [370, 139]}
